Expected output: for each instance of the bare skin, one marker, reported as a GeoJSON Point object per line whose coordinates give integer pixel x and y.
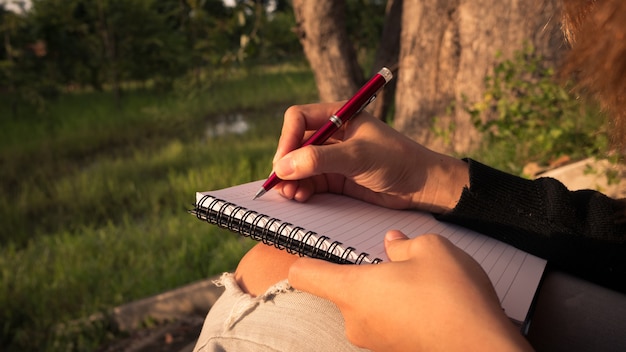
{"type": "Point", "coordinates": [367, 160]}
{"type": "Point", "coordinates": [431, 296]}
{"type": "Point", "coordinates": [430, 289]}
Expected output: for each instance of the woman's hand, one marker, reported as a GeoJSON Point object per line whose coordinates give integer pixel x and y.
{"type": "Point", "coordinates": [430, 296]}
{"type": "Point", "coordinates": [365, 159]}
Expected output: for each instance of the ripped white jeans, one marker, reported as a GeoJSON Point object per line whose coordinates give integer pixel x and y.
{"type": "Point", "coordinates": [282, 319]}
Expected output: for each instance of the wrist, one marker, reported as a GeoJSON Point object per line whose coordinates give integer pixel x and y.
{"type": "Point", "coordinates": [446, 177]}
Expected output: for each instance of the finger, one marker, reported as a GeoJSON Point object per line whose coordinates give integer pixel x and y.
{"type": "Point", "coordinates": [300, 190]}
{"type": "Point", "coordinates": [321, 278]}
{"type": "Point", "coordinates": [316, 160]}
{"type": "Point", "coordinates": [287, 188]}
{"type": "Point", "coordinates": [398, 246]}
{"type": "Point", "coordinates": [299, 119]}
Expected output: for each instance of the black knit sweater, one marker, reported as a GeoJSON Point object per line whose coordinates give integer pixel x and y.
{"type": "Point", "coordinates": [575, 231]}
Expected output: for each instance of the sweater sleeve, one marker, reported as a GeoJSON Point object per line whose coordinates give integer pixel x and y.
{"type": "Point", "coordinates": [574, 230]}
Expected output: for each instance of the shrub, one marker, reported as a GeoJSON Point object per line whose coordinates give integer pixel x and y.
{"type": "Point", "coordinates": [526, 116]}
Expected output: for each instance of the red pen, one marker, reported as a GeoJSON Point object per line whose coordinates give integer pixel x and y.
{"type": "Point", "coordinates": [351, 108]}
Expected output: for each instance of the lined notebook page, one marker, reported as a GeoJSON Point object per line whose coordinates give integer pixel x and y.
{"type": "Point", "coordinates": [515, 274]}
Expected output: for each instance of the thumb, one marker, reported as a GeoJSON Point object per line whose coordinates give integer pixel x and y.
{"type": "Point", "coordinates": [313, 160]}
{"type": "Point", "coordinates": [397, 246]}
{"type": "Point", "coordinates": [320, 278]}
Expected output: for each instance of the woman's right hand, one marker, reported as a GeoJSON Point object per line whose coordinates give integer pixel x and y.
{"type": "Point", "coordinates": [365, 159]}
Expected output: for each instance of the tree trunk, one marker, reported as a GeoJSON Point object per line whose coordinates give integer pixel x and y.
{"type": "Point", "coordinates": [447, 49]}
{"type": "Point", "coordinates": [110, 53]}
{"type": "Point", "coordinates": [387, 56]}
{"type": "Point", "coordinates": [322, 33]}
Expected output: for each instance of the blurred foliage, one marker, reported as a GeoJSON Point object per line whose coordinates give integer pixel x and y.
{"type": "Point", "coordinates": [69, 45]}
{"type": "Point", "coordinates": [364, 22]}
{"type": "Point", "coordinates": [526, 116]}
{"type": "Point", "coordinates": [81, 44]}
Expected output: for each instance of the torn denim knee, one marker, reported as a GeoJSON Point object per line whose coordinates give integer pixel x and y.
{"type": "Point", "coordinates": [245, 302]}
{"type": "Point", "coordinates": [281, 319]}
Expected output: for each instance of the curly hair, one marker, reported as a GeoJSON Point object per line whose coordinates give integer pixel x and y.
{"type": "Point", "coordinates": [596, 30]}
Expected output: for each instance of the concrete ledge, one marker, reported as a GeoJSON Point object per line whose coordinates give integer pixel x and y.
{"type": "Point", "coordinates": [592, 174]}
{"type": "Point", "coordinates": [193, 299]}
{"type": "Point", "coordinates": [166, 322]}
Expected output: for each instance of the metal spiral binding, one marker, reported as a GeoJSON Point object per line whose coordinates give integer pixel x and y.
{"type": "Point", "coordinates": [249, 225]}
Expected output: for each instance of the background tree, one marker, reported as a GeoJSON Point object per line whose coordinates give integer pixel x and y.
{"type": "Point", "coordinates": [387, 55]}
{"type": "Point", "coordinates": [110, 41]}
{"type": "Point", "coordinates": [321, 28]}
{"type": "Point", "coordinates": [23, 76]}
{"type": "Point", "coordinates": [338, 35]}
{"type": "Point", "coordinates": [447, 47]}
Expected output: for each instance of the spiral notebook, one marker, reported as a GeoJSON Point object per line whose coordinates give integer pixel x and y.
{"type": "Point", "coordinates": [344, 230]}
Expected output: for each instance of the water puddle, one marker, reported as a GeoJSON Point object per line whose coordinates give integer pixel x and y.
{"type": "Point", "coordinates": [227, 124]}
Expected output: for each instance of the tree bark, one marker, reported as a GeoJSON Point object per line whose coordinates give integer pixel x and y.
{"type": "Point", "coordinates": [110, 53]}
{"type": "Point", "coordinates": [320, 26]}
{"type": "Point", "coordinates": [387, 55]}
{"type": "Point", "coordinates": [447, 49]}
{"type": "Point", "coordinates": [338, 75]}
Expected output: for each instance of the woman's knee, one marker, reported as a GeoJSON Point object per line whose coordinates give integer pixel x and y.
{"type": "Point", "coordinates": [262, 267]}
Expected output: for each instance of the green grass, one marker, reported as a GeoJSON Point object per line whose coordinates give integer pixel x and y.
{"type": "Point", "coordinates": [95, 198]}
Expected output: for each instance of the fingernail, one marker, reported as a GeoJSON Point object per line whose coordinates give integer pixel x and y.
{"type": "Point", "coordinates": [275, 158]}
{"type": "Point", "coordinates": [284, 167]}
{"type": "Point", "coordinates": [394, 235]}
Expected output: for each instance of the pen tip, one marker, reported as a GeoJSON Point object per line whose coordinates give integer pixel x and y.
{"type": "Point", "coordinates": [259, 193]}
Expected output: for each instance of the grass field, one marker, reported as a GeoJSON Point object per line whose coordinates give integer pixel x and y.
{"type": "Point", "coordinates": [95, 198]}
